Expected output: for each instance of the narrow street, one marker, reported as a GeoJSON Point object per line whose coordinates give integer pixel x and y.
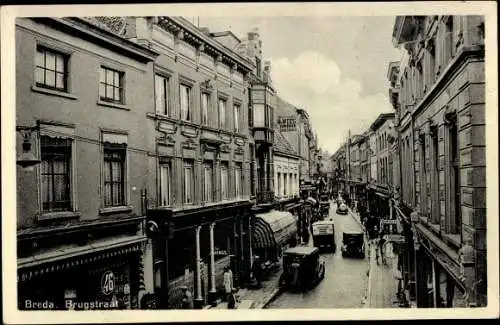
{"type": "Point", "coordinates": [345, 282]}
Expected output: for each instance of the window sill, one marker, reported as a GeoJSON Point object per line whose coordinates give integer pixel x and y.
{"type": "Point", "coordinates": [161, 117]}
{"type": "Point", "coordinates": [113, 105]}
{"type": "Point", "coordinates": [53, 92]}
{"type": "Point", "coordinates": [112, 210]}
{"type": "Point", "coordinates": [58, 215]}
{"type": "Point", "coordinates": [453, 239]}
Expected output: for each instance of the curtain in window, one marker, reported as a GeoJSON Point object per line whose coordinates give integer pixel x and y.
{"type": "Point", "coordinates": [55, 164]}
{"type": "Point", "coordinates": [161, 95]}
{"type": "Point", "coordinates": [184, 97]}
{"type": "Point", "coordinates": [164, 185]}
{"type": "Point", "coordinates": [238, 180]}
{"type": "Point", "coordinates": [208, 176]}
{"type": "Point", "coordinates": [204, 108]}
{"type": "Point", "coordinates": [236, 118]}
{"type": "Point", "coordinates": [224, 182]}
{"type": "Point", "coordinates": [188, 183]}
{"type": "Point", "coordinates": [114, 161]}
{"type": "Point", "coordinates": [222, 113]}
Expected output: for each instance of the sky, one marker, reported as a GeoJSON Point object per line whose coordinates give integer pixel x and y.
{"type": "Point", "coordinates": [334, 67]}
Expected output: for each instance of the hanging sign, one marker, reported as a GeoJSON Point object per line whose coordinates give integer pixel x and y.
{"type": "Point", "coordinates": [395, 238]}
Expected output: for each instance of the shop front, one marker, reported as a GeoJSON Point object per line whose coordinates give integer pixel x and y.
{"type": "Point", "coordinates": [193, 247]}
{"type": "Point", "coordinates": [102, 275]}
{"type": "Point", "coordinates": [440, 281]}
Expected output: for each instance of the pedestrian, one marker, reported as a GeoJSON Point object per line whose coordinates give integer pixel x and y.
{"type": "Point", "coordinates": [228, 281]}
{"type": "Point", "coordinates": [187, 298]}
{"type": "Point", "coordinates": [256, 270]}
{"type": "Point", "coordinates": [380, 248]}
{"type": "Point", "coordinates": [232, 300]}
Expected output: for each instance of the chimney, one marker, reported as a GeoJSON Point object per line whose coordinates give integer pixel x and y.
{"type": "Point", "coordinates": [254, 34]}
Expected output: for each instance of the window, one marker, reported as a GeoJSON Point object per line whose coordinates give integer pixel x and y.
{"type": "Point", "coordinates": [222, 113]}
{"type": "Point", "coordinates": [205, 104]}
{"type": "Point", "coordinates": [185, 98]}
{"type": "Point", "coordinates": [162, 95]}
{"type": "Point", "coordinates": [111, 85]}
{"type": "Point", "coordinates": [55, 170]}
{"type": "Point", "coordinates": [114, 175]}
{"type": "Point", "coordinates": [188, 182]}
{"type": "Point", "coordinates": [259, 118]}
{"type": "Point", "coordinates": [238, 180]}
{"type": "Point", "coordinates": [291, 184]}
{"type": "Point", "coordinates": [208, 194]}
{"type": "Point", "coordinates": [236, 116]}
{"type": "Point", "coordinates": [165, 181]}
{"type": "Point", "coordinates": [224, 181]}
{"type": "Point", "coordinates": [51, 69]}
{"type": "Point", "coordinates": [435, 182]}
{"type": "Point", "coordinates": [456, 222]}
{"type": "Point", "coordinates": [423, 176]}
{"type": "Point", "coordinates": [252, 172]}
{"type": "Point", "coordinates": [285, 184]}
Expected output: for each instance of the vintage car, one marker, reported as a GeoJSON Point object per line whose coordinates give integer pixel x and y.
{"type": "Point", "coordinates": [353, 244]}
{"type": "Point", "coordinates": [302, 268]}
{"type": "Point", "coordinates": [342, 208]}
{"type": "Point", "coordinates": [324, 234]}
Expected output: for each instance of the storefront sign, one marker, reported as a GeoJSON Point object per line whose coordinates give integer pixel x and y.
{"type": "Point", "coordinates": [108, 283]}
{"type": "Point", "coordinates": [388, 222]}
{"type": "Point", "coordinates": [287, 123]}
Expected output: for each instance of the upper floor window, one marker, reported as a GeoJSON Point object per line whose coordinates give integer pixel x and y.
{"type": "Point", "coordinates": [207, 182]}
{"type": "Point", "coordinates": [222, 113]}
{"type": "Point", "coordinates": [165, 181]}
{"type": "Point", "coordinates": [224, 179]}
{"type": "Point", "coordinates": [188, 182]}
{"type": "Point", "coordinates": [55, 172]}
{"type": "Point", "coordinates": [236, 116]}
{"type": "Point", "coordinates": [111, 85]}
{"type": "Point", "coordinates": [114, 175]}
{"type": "Point", "coordinates": [186, 105]}
{"type": "Point", "coordinates": [51, 69]}
{"type": "Point", "coordinates": [205, 104]}
{"type": "Point", "coordinates": [238, 180]}
{"type": "Point", "coordinates": [162, 95]}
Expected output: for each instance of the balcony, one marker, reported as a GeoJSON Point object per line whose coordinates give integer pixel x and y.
{"type": "Point", "coordinates": [266, 197]}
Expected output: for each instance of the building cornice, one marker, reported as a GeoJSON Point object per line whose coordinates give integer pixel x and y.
{"type": "Point", "coordinates": [186, 31]}
{"type": "Point", "coordinates": [87, 30]}
{"type": "Point", "coordinates": [380, 120]}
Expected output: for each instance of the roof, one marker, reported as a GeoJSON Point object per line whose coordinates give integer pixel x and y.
{"type": "Point", "coordinates": [324, 222]}
{"type": "Point", "coordinates": [301, 250]}
{"type": "Point", "coordinates": [281, 144]}
{"type": "Point", "coordinates": [380, 120]}
{"type": "Point", "coordinates": [226, 33]}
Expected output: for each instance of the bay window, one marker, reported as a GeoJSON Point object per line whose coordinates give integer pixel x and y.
{"type": "Point", "coordinates": [259, 115]}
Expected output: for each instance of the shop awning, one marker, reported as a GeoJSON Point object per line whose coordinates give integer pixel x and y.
{"type": "Point", "coordinates": [273, 228]}
{"type": "Point", "coordinates": [69, 257]}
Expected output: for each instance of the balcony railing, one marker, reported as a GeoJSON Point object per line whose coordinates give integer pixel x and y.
{"type": "Point", "coordinates": [265, 197]}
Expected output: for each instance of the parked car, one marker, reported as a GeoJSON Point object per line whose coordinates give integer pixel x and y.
{"type": "Point", "coordinates": [342, 208]}
{"type": "Point", "coordinates": [302, 268]}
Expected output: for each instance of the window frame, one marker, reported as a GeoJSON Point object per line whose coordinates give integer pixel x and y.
{"type": "Point", "coordinates": [208, 195]}
{"type": "Point", "coordinates": [66, 64]}
{"type": "Point", "coordinates": [121, 149]}
{"type": "Point", "coordinates": [69, 185]}
{"type": "Point", "coordinates": [188, 164]}
{"type": "Point", "coordinates": [167, 80]}
{"type": "Point", "coordinates": [208, 108]}
{"type": "Point", "coordinates": [190, 108]}
{"type": "Point", "coordinates": [224, 194]}
{"type": "Point", "coordinates": [164, 163]}
{"type": "Point", "coordinates": [222, 120]}
{"type": "Point", "coordinates": [121, 86]}
{"type": "Point", "coordinates": [238, 182]}
{"type": "Point", "coordinates": [237, 117]}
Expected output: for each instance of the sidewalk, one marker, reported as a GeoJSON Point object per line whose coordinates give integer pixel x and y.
{"type": "Point", "coordinates": [382, 286]}
{"type": "Point", "coordinates": [256, 298]}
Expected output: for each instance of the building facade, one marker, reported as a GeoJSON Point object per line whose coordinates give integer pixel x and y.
{"type": "Point", "coordinates": [201, 161]}
{"type": "Point", "coordinates": [442, 141]}
{"type": "Point", "coordinates": [82, 94]}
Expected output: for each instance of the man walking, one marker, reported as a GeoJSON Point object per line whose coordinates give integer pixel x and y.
{"type": "Point", "coordinates": [228, 281]}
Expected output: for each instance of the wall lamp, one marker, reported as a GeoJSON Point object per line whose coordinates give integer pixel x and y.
{"type": "Point", "coordinates": [27, 159]}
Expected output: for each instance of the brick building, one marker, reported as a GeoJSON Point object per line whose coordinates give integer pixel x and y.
{"type": "Point", "coordinates": [82, 93]}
